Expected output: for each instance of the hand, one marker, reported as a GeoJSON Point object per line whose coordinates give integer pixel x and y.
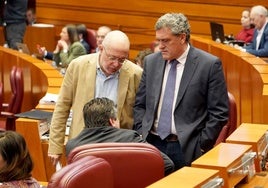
{"type": "Point", "coordinates": [41, 50]}
{"type": "Point", "coordinates": [63, 44]}
{"type": "Point", "coordinates": [54, 158]}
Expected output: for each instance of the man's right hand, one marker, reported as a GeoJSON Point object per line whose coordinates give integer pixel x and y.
{"type": "Point", "coordinates": [54, 159]}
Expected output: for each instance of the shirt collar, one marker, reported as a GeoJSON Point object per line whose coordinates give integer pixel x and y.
{"type": "Point", "coordinates": [263, 27]}
{"type": "Point", "coordinates": [182, 58]}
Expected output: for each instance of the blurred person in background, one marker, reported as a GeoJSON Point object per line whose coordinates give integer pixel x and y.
{"type": "Point", "coordinates": [259, 45]}
{"type": "Point", "coordinates": [141, 55]}
{"type": "Point", "coordinates": [246, 33]}
{"type": "Point", "coordinates": [101, 33]}
{"type": "Point", "coordinates": [67, 48]}
{"type": "Point", "coordinates": [82, 34]}
{"type": "Point", "coordinates": [30, 16]}
{"type": "Point", "coordinates": [14, 22]}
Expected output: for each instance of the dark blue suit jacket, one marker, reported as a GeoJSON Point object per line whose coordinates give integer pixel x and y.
{"type": "Point", "coordinates": [49, 55]}
{"type": "Point", "coordinates": [201, 108]}
{"type": "Point", "coordinates": [263, 48]}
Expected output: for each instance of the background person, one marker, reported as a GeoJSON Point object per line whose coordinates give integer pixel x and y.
{"type": "Point", "coordinates": [259, 45]}
{"type": "Point", "coordinates": [107, 73]}
{"type": "Point", "coordinates": [14, 22]}
{"type": "Point", "coordinates": [102, 125]}
{"type": "Point", "coordinates": [101, 33]}
{"type": "Point", "coordinates": [82, 35]}
{"type": "Point", "coordinates": [246, 33]}
{"type": "Point", "coordinates": [182, 118]}
{"type": "Point", "coordinates": [67, 48]}
{"type": "Point", "coordinates": [141, 55]}
{"type": "Point", "coordinates": [30, 16]}
{"type": "Point", "coordinates": [15, 162]}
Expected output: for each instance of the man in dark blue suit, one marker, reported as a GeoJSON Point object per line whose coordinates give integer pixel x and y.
{"type": "Point", "coordinates": [200, 102]}
{"type": "Point", "coordinates": [259, 45]}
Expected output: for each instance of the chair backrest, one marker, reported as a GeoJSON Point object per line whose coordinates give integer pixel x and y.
{"type": "Point", "coordinates": [15, 101]}
{"type": "Point", "coordinates": [89, 171]}
{"type": "Point", "coordinates": [231, 125]}
{"type": "Point", "coordinates": [17, 90]}
{"type": "Point", "coordinates": [91, 39]}
{"type": "Point", "coordinates": [13, 89]}
{"type": "Point", "coordinates": [135, 165]}
{"type": "Point", "coordinates": [1, 96]}
{"type": "Point", "coordinates": [19, 83]}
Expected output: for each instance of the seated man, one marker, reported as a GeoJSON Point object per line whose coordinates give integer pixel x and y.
{"type": "Point", "coordinates": [259, 45]}
{"type": "Point", "coordinates": [102, 125]}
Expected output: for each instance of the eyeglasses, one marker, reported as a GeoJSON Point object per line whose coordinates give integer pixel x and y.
{"type": "Point", "coordinates": [113, 58]}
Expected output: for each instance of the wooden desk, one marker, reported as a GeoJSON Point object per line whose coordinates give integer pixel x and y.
{"type": "Point", "coordinates": [258, 181]}
{"type": "Point", "coordinates": [43, 168]}
{"type": "Point", "coordinates": [186, 177]}
{"type": "Point", "coordinates": [49, 107]}
{"type": "Point", "coordinates": [43, 36]}
{"type": "Point", "coordinates": [245, 77]}
{"type": "Point", "coordinates": [254, 135]}
{"type": "Point", "coordinates": [225, 157]}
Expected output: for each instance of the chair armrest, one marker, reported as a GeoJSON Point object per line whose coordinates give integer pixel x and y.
{"type": "Point", "coordinates": [7, 114]}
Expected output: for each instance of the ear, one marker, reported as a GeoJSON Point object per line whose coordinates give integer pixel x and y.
{"type": "Point", "coordinates": [114, 123]}
{"type": "Point", "coordinates": [101, 47]}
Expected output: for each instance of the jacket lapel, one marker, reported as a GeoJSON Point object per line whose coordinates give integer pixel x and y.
{"type": "Point", "coordinates": [122, 87]}
{"type": "Point", "coordinates": [189, 69]}
{"type": "Point", "coordinates": [91, 79]}
{"type": "Point", "coordinates": [158, 79]}
{"type": "Point", "coordinates": [262, 41]}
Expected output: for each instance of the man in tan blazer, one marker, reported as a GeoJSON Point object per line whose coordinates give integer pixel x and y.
{"type": "Point", "coordinates": [107, 73]}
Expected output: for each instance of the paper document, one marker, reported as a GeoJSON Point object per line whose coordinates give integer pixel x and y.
{"type": "Point", "coordinates": [49, 98]}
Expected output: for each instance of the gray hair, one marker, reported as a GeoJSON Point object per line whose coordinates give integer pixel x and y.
{"type": "Point", "coordinates": [259, 10]}
{"type": "Point", "coordinates": [177, 22]}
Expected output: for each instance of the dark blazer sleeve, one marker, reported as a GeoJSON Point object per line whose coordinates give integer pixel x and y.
{"type": "Point", "coordinates": [148, 93]}
{"type": "Point", "coordinates": [49, 55]}
{"type": "Point", "coordinates": [139, 107]}
{"type": "Point", "coordinates": [263, 48]}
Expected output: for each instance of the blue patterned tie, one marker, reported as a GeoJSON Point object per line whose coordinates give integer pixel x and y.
{"type": "Point", "coordinates": [165, 119]}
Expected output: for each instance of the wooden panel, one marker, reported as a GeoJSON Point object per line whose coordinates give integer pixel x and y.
{"type": "Point", "coordinates": [43, 168]}
{"type": "Point", "coordinates": [43, 36]}
{"type": "Point", "coordinates": [223, 157]}
{"type": "Point", "coordinates": [137, 18]}
{"type": "Point", "coordinates": [181, 178]}
{"type": "Point", "coordinates": [246, 80]}
{"type": "Point", "coordinates": [38, 75]}
{"type": "Point", "coordinates": [31, 135]}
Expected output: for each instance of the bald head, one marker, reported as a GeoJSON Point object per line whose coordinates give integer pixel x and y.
{"type": "Point", "coordinates": [117, 40]}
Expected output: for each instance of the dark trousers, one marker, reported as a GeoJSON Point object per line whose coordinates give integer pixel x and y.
{"type": "Point", "coordinates": [14, 33]}
{"type": "Point", "coordinates": [171, 148]}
